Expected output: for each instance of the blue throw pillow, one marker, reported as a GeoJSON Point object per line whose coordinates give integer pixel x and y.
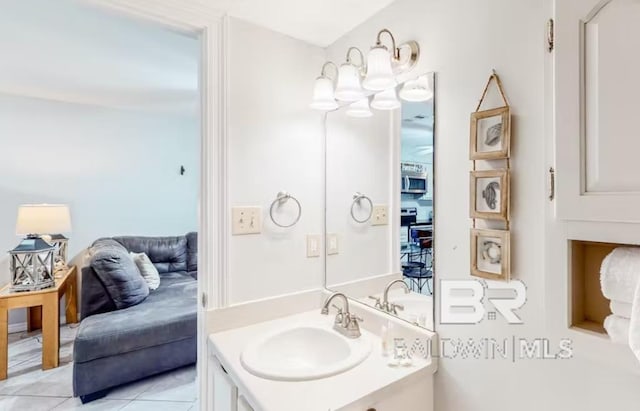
{"type": "Point", "coordinates": [119, 274]}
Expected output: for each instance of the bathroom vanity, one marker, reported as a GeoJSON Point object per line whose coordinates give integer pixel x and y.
{"type": "Point", "coordinates": [298, 362]}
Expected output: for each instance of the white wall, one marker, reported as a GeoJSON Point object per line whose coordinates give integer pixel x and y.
{"type": "Point", "coordinates": [275, 143]}
{"type": "Point", "coordinates": [462, 41]}
{"type": "Point", "coordinates": [359, 159]}
{"type": "Point", "coordinates": [117, 170]}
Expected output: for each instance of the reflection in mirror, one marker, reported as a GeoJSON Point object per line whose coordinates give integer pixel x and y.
{"type": "Point", "coordinates": [379, 202]}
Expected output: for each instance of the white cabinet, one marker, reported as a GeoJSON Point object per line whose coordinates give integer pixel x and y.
{"type": "Point", "coordinates": [416, 395]}
{"type": "Point", "coordinates": [597, 104]}
{"type": "Point", "coordinates": [224, 391]}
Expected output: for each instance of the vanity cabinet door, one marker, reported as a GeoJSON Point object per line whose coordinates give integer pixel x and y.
{"type": "Point", "coordinates": [596, 88]}
{"type": "Point", "coordinates": [225, 393]}
{"type": "Point", "coordinates": [413, 396]}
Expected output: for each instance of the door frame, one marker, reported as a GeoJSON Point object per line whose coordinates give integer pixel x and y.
{"type": "Point", "coordinates": [209, 25]}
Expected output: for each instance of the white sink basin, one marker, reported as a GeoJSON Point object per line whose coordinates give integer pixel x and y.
{"type": "Point", "coordinates": [304, 353]}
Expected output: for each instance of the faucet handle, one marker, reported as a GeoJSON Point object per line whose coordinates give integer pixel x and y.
{"type": "Point", "coordinates": [356, 317]}
{"type": "Point", "coordinates": [340, 315]}
{"type": "Point", "coordinates": [353, 328]}
{"type": "Point", "coordinates": [395, 307]}
{"type": "Point", "coordinates": [377, 299]}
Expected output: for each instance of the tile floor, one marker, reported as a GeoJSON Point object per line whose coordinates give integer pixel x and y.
{"type": "Point", "coordinates": [28, 388]}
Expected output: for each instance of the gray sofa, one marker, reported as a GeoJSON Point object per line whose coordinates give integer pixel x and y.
{"type": "Point", "coordinates": [117, 346]}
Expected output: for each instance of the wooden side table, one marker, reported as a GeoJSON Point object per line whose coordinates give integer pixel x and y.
{"type": "Point", "coordinates": [43, 312]}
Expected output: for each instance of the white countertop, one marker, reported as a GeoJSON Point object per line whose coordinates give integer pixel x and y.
{"type": "Point", "coordinates": [331, 393]}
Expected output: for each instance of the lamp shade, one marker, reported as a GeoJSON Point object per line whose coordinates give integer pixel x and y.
{"type": "Point", "coordinates": [323, 97]}
{"type": "Point", "coordinates": [360, 109]}
{"type": "Point", "coordinates": [416, 90]}
{"type": "Point", "coordinates": [43, 219]}
{"type": "Point", "coordinates": [386, 100]}
{"type": "Point", "coordinates": [379, 72]}
{"type": "Point", "coordinates": [349, 87]}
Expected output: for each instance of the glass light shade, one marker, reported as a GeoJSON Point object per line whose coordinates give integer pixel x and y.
{"type": "Point", "coordinates": [349, 87]}
{"type": "Point", "coordinates": [416, 90]}
{"type": "Point", "coordinates": [43, 219]}
{"type": "Point", "coordinates": [360, 109]}
{"type": "Point", "coordinates": [386, 100]}
{"type": "Point", "coordinates": [323, 97]}
{"type": "Point", "coordinates": [379, 72]}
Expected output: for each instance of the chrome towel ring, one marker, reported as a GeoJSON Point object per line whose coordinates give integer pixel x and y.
{"type": "Point", "coordinates": [357, 199]}
{"type": "Point", "coordinates": [280, 200]}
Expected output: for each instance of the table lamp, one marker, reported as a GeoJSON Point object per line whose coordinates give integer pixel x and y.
{"type": "Point", "coordinates": [35, 260]}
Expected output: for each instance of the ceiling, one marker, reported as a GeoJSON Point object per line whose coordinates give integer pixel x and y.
{"type": "Point", "coordinates": [319, 22]}
{"type": "Point", "coordinates": [417, 124]}
{"type": "Point", "coordinates": [65, 50]}
{"type": "Point", "coordinates": [62, 50]}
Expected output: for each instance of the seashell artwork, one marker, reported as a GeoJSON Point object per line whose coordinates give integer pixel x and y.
{"type": "Point", "coordinates": [490, 194]}
{"type": "Point", "coordinates": [494, 134]}
{"type": "Point", "coordinates": [491, 251]}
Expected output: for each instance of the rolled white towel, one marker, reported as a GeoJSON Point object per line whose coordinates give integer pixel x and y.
{"type": "Point", "coordinates": [618, 329]}
{"type": "Point", "coordinates": [634, 328]}
{"type": "Point", "coordinates": [621, 309]}
{"type": "Point", "coordinates": [620, 274]}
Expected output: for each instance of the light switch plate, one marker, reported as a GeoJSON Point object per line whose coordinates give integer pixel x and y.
{"type": "Point", "coordinates": [313, 245]}
{"type": "Point", "coordinates": [380, 215]}
{"type": "Point", "coordinates": [246, 220]}
{"type": "Point", "coordinates": [333, 246]}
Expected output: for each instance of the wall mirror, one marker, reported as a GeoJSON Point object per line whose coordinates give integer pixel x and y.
{"type": "Point", "coordinates": [379, 203]}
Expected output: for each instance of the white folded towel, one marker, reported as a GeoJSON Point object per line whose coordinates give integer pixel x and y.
{"type": "Point", "coordinates": [621, 309]}
{"type": "Point", "coordinates": [634, 328]}
{"type": "Point", "coordinates": [620, 274]}
{"type": "Point", "coordinates": [618, 329]}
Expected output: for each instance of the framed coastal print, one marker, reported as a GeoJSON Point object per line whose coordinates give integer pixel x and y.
{"type": "Point", "coordinates": [490, 137]}
{"type": "Point", "coordinates": [489, 194]}
{"type": "Point", "coordinates": [491, 254]}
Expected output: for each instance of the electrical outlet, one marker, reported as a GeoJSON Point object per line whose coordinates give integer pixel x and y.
{"type": "Point", "coordinates": [246, 220]}
{"type": "Point", "coordinates": [380, 215]}
{"type": "Point", "coordinates": [333, 247]}
{"type": "Point", "coordinates": [313, 245]}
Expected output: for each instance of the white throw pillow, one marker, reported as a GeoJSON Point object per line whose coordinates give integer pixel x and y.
{"type": "Point", "coordinates": [147, 269]}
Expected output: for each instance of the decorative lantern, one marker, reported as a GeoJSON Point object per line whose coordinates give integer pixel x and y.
{"type": "Point", "coordinates": [60, 242]}
{"type": "Point", "coordinates": [32, 265]}
{"type": "Point", "coordinates": [44, 222]}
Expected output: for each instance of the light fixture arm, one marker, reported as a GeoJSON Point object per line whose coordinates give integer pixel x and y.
{"type": "Point", "coordinates": [394, 49]}
{"type": "Point", "coordinates": [400, 65]}
{"type": "Point", "coordinates": [362, 67]}
{"type": "Point", "coordinates": [323, 72]}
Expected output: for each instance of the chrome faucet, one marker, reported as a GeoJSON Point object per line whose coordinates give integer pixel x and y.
{"type": "Point", "coordinates": [345, 322]}
{"type": "Point", "coordinates": [391, 307]}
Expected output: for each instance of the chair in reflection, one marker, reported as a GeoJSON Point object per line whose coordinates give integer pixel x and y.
{"type": "Point", "coordinates": [418, 267]}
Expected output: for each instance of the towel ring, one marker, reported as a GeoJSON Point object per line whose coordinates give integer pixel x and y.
{"type": "Point", "coordinates": [357, 199]}
{"type": "Point", "coordinates": [282, 198]}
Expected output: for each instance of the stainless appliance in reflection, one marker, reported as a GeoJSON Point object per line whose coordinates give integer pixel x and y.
{"type": "Point", "coordinates": [408, 216]}
{"type": "Point", "coordinates": [414, 178]}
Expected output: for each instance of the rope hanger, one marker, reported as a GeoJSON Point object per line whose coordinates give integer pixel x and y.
{"type": "Point", "coordinates": [494, 77]}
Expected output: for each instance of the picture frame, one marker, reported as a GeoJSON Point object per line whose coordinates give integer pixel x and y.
{"type": "Point", "coordinates": [491, 254]}
{"type": "Point", "coordinates": [490, 137]}
{"type": "Point", "coordinates": [489, 194]}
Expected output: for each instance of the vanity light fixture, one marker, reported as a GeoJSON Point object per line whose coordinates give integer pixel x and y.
{"type": "Point", "coordinates": [323, 94]}
{"type": "Point", "coordinates": [360, 109]}
{"type": "Point", "coordinates": [417, 90]}
{"type": "Point", "coordinates": [383, 65]}
{"type": "Point", "coordinates": [349, 87]}
{"type": "Point", "coordinates": [386, 100]}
